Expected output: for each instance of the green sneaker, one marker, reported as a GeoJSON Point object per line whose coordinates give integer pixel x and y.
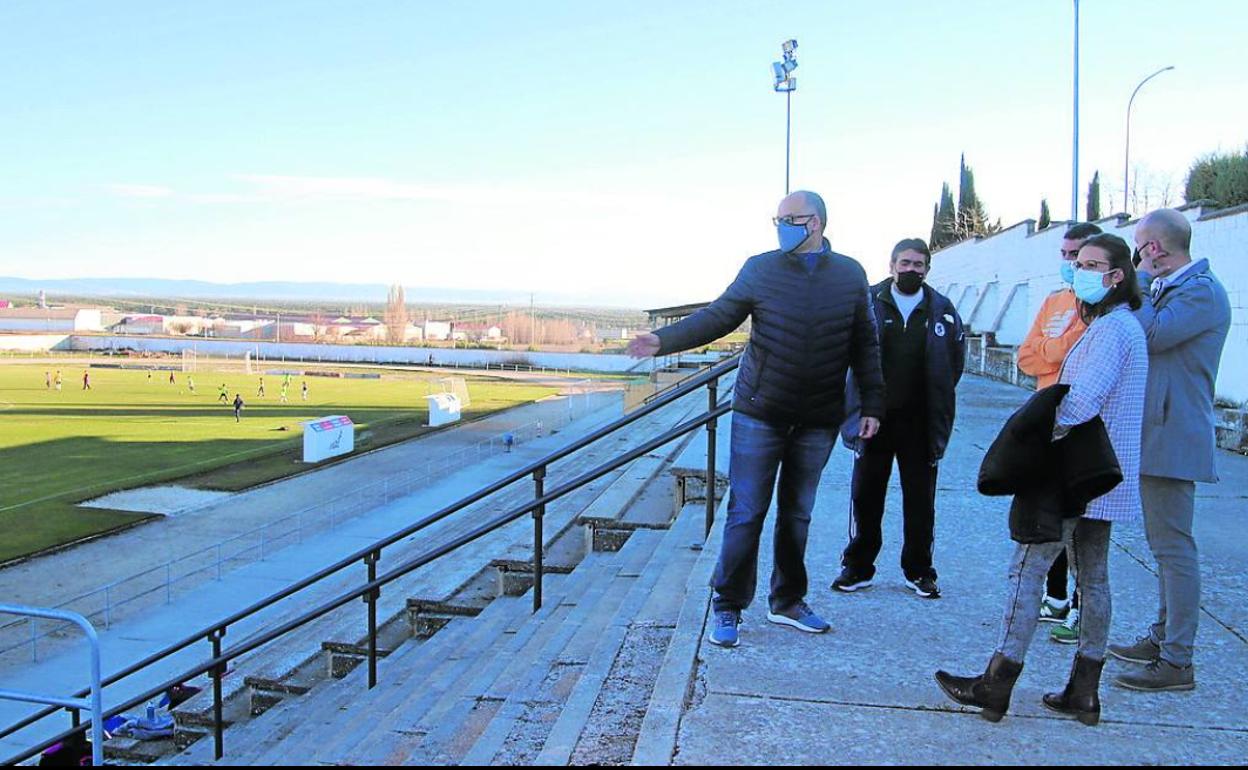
{"type": "Point", "coordinates": [1068, 631]}
{"type": "Point", "coordinates": [1054, 610]}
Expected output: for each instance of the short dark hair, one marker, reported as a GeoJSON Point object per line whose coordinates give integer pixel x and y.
{"type": "Point", "coordinates": [1080, 230]}
{"type": "Point", "coordinates": [911, 244]}
{"type": "Point", "coordinates": [1127, 290]}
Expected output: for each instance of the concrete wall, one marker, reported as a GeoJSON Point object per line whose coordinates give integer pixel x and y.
{"type": "Point", "coordinates": [35, 342]}
{"type": "Point", "coordinates": [311, 351]}
{"type": "Point", "coordinates": [999, 283]}
{"type": "Point", "coordinates": [37, 325]}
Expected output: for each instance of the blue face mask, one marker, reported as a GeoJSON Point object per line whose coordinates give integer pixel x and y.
{"type": "Point", "coordinates": [1068, 271]}
{"type": "Point", "coordinates": [1089, 286]}
{"type": "Point", "coordinates": [791, 236]}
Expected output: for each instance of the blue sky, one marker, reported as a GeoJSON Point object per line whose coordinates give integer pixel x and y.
{"type": "Point", "coordinates": [633, 151]}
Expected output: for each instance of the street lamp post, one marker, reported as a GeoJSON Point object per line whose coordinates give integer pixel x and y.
{"type": "Point", "coordinates": [786, 84]}
{"type": "Point", "coordinates": [1074, 174]}
{"type": "Point", "coordinates": [1126, 159]}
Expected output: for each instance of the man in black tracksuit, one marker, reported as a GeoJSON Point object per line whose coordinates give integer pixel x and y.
{"type": "Point", "coordinates": [923, 348]}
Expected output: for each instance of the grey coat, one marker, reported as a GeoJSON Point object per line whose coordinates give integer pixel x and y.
{"type": "Point", "coordinates": [1186, 330]}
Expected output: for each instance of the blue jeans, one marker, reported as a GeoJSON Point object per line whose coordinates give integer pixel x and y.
{"type": "Point", "coordinates": [760, 451]}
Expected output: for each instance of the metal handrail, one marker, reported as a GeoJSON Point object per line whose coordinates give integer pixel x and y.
{"type": "Point", "coordinates": [371, 554]}
{"type": "Point", "coordinates": [95, 703]}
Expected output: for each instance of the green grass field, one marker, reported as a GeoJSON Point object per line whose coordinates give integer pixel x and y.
{"type": "Point", "coordinates": [58, 449]}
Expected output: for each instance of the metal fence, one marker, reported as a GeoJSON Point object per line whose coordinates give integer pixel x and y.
{"type": "Point", "coordinates": [161, 583]}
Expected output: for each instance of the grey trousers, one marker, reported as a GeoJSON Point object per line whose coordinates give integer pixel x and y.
{"type": "Point", "coordinates": [1087, 546]}
{"type": "Point", "coordinates": [1169, 508]}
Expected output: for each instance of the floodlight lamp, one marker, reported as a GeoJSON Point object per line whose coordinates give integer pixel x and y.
{"type": "Point", "coordinates": [789, 65]}
{"type": "Point", "coordinates": [789, 47]}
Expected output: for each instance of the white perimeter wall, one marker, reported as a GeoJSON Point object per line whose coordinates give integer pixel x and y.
{"type": "Point", "coordinates": [999, 283]}
{"type": "Point", "coordinates": [309, 351]}
{"type": "Point", "coordinates": [34, 342]}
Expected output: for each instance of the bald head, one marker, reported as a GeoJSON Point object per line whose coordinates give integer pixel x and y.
{"type": "Point", "coordinates": [1169, 227]}
{"type": "Point", "coordinates": [806, 208]}
{"type": "Point", "coordinates": [1163, 240]}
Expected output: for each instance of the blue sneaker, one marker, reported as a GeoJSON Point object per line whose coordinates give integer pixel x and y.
{"type": "Point", "coordinates": [725, 633]}
{"type": "Point", "coordinates": [801, 617]}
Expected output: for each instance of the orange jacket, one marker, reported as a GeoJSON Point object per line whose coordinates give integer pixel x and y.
{"type": "Point", "coordinates": [1054, 332]}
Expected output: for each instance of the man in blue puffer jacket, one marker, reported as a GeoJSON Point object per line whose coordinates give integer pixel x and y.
{"type": "Point", "coordinates": [811, 321]}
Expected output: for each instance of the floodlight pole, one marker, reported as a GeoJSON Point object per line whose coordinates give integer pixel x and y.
{"type": "Point", "coordinates": [788, 122]}
{"type": "Point", "coordinates": [785, 82]}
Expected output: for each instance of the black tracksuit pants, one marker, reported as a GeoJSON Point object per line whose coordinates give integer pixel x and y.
{"type": "Point", "coordinates": [903, 435]}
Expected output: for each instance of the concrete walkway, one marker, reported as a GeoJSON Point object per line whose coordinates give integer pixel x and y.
{"type": "Point", "coordinates": [865, 694]}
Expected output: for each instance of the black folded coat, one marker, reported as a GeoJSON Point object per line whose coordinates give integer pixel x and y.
{"type": "Point", "coordinates": [1050, 480]}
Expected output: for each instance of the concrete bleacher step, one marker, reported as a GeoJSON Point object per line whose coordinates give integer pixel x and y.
{"type": "Point", "coordinates": [542, 721]}
{"type": "Point", "coordinates": [322, 711]}
{"type": "Point", "coordinates": [327, 647]}
{"type": "Point", "coordinates": [560, 661]}
{"type": "Point", "coordinates": [673, 683]}
{"type": "Point", "coordinates": [416, 689]}
{"type": "Point", "coordinates": [441, 730]}
{"type": "Point", "coordinates": [334, 644]}
{"type": "Point", "coordinates": [613, 690]}
{"type": "Point", "coordinates": [564, 545]}
{"type": "Point", "coordinates": [242, 737]}
{"type": "Point", "coordinates": [338, 717]}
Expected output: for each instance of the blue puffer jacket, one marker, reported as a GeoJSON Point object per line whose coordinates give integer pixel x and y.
{"type": "Point", "coordinates": [809, 327]}
{"type": "Point", "coordinates": [945, 358]}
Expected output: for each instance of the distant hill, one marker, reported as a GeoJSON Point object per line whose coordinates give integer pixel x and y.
{"type": "Point", "coordinates": [298, 291]}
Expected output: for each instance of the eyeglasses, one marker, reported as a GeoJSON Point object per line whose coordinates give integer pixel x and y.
{"type": "Point", "coordinates": [1138, 254]}
{"type": "Point", "coordinates": [792, 219]}
{"type": "Point", "coordinates": [1092, 264]}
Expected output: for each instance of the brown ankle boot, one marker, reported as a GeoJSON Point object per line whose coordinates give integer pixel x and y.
{"type": "Point", "coordinates": [989, 692]}
{"type": "Point", "coordinates": [1081, 698]}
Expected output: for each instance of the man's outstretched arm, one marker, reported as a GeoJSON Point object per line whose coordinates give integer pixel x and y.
{"type": "Point", "coordinates": [705, 326]}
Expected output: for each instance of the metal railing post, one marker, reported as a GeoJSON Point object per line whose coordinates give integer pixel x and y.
{"type": "Point", "coordinates": [539, 490]}
{"type": "Point", "coordinates": [712, 398]}
{"type": "Point", "coordinates": [218, 671]}
{"type": "Point", "coordinates": [371, 599]}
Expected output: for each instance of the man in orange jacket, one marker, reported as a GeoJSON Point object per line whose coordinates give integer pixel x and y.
{"type": "Point", "coordinates": [1054, 332]}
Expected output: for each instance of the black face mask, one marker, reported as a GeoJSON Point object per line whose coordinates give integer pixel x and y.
{"type": "Point", "coordinates": [909, 282]}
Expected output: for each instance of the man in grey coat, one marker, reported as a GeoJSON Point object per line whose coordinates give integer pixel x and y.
{"type": "Point", "coordinates": [1186, 317]}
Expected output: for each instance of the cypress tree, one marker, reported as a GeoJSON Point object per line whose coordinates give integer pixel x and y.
{"type": "Point", "coordinates": [1094, 197]}
{"type": "Point", "coordinates": [943, 232]}
{"type": "Point", "coordinates": [1045, 218]}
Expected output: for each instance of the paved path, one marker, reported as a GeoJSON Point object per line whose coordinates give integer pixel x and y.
{"type": "Point", "coordinates": [864, 693]}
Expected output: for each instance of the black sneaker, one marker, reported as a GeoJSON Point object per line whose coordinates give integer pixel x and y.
{"type": "Point", "coordinates": [924, 587]}
{"type": "Point", "coordinates": [849, 581]}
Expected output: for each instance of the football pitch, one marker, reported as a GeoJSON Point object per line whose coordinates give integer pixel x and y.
{"type": "Point", "coordinates": [59, 448]}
